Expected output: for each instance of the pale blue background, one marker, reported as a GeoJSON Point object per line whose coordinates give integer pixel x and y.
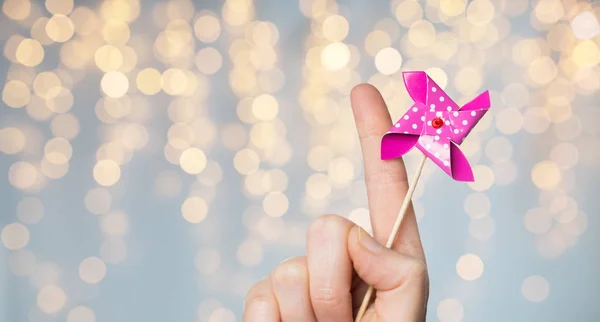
{"type": "Point", "coordinates": [158, 280]}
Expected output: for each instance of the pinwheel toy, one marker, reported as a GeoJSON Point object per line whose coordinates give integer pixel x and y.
{"type": "Point", "coordinates": [436, 125]}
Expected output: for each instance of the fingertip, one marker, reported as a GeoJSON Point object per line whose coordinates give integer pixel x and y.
{"type": "Point", "coordinates": [353, 237]}
{"type": "Point", "coordinates": [362, 90]}
{"type": "Point", "coordinates": [362, 247]}
{"type": "Point", "coordinates": [364, 95]}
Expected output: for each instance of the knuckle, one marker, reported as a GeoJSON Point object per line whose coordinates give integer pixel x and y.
{"type": "Point", "coordinates": [257, 290]}
{"type": "Point", "coordinates": [324, 224]}
{"type": "Point", "coordinates": [326, 297]}
{"type": "Point", "coordinates": [386, 173]}
{"type": "Point", "coordinates": [259, 301]}
{"type": "Point", "coordinates": [370, 131]}
{"type": "Point", "coordinates": [411, 272]}
{"type": "Point", "coordinates": [291, 272]}
{"type": "Point", "coordinates": [417, 271]}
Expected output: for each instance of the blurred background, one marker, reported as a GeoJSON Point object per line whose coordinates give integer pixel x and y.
{"type": "Point", "coordinates": [159, 157]}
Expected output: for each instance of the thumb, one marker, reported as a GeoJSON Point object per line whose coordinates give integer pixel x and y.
{"type": "Point", "coordinates": [400, 281]}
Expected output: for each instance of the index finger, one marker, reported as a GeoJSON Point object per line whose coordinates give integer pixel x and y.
{"type": "Point", "coordinates": [386, 180]}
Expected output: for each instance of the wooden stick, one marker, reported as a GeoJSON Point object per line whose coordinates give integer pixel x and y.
{"type": "Point", "coordinates": [392, 237]}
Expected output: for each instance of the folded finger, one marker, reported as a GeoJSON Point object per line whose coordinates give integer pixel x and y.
{"type": "Point", "coordinates": [330, 268]}
{"type": "Point", "coordinates": [261, 305]}
{"type": "Point", "coordinates": [290, 285]}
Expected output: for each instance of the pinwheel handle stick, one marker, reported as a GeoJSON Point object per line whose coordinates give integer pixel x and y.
{"type": "Point", "coordinates": [394, 232]}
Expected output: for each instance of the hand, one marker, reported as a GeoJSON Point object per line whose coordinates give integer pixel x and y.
{"type": "Point", "coordinates": [329, 283]}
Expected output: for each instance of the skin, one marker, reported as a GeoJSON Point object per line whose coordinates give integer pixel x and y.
{"type": "Point", "coordinates": [329, 283]}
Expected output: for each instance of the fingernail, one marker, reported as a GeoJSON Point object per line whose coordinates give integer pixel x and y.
{"type": "Point", "coordinates": [368, 242]}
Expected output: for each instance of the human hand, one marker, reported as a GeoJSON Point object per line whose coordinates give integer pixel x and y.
{"type": "Point", "coordinates": [329, 283]}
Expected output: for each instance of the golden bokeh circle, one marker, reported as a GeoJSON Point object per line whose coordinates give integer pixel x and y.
{"type": "Point", "coordinates": [192, 160]}
{"type": "Point", "coordinates": [12, 140]}
{"type": "Point", "coordinates": [16, 94]}
{"type": "Point", "coordinates": [335, 56]}
{"type": "Point", "coordinates": [207, 28]}
{"type": "Point", "coordinates": [546, 175]}
{"type": "Point", "coordinates": [335, 28]}
{"type": "Point", "coordinates": [16, 9]}
{"type": "Point", "coordinates": [30, 52]}
{"type": "Point", "coordinates": [60, 28]}
{"type": "Point", "coordinates": [23, 175]}
{"type": "Point", "coordinates": [108, 58]}
{"type": "Point", "coordinates": [194, 209]}
{"type": "Point", "coordinates": [388, 61]}
{"type": "Point", "coordinates": [63, 7]}
{"type": "Point", "coordinates": [107, 172]}
{"type": "Point", "coordinates": [114, 84]}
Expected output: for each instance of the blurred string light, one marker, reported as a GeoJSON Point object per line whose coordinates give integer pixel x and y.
{"type": "Point", "coordinates": [450, 310]}
{"type": "Point", "coordinates": [50, 47]}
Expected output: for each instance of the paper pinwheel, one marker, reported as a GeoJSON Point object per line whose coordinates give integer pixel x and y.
{"type": "Point", "coordinates": [436, 125]}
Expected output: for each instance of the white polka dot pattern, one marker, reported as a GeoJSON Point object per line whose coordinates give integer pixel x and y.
{"type": "Point", "coordinates": [438, 121]}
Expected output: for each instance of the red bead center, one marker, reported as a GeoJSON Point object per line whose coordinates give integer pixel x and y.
{"type": "Point", "coordinates": [437, 123]}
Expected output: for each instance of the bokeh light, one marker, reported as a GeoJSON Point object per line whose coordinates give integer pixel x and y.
{"type": "Point", "coordinates": [450, 310]}
{"type": "Point", "coordinates": [60, 28]}
{"type": "Point", "coordinates": [469, 267]}
{"type": "Point", "coordinates": [16, 9]}
{"type": "Point", "coordinates": [114, 84]}
{"type": "Point", "coordinates": [107, 172]}
{"type": "Point", "coordinates": [194, 209]}
{"type": "Point", "coordinates": [192, 160]}
{"type": "Point", "coordinates": [335, 56]}
{"type": "Point", "coordinates": [92, 270]}
{"type": "Point", "coordinates": [15, 236]}
{"type": "Point", "coordinates": [535, 288]}
{"type": "Point", "coordinates": [16, 94]}
{"type": "Point", "coordinates": [546, 175]}
{"type": "Point", "coordinates": [12, 140]}
{"type": "Point", "coordinates": [81, 314]}
{"type": "Point", "coordinates": [51, 299]}
{"type": "Point", "coordinates": [30, 52]}
{"type": "Point", "coordinates": [98, 201]}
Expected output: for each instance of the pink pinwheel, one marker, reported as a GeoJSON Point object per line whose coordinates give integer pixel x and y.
{"type": "Point", "coordinates": [436, 125]}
